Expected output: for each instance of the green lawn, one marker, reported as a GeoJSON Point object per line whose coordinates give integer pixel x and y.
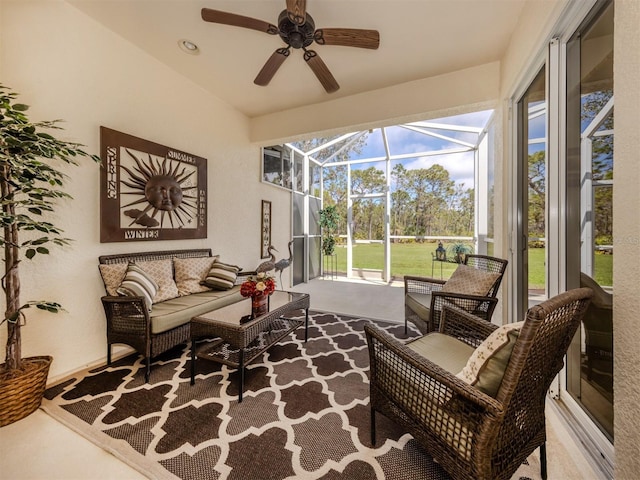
{"type": "Point", "coordinates": [603, 268]}
{"type": "Point", "coordinates": [415, 259]}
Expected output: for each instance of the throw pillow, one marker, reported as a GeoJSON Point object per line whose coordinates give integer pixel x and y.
{"type": "Point", "coordinates": [112, 276]}
{"type": "Point", "coordinates": [470, 281]}
{"type": "Point", "coordinates": [138, 283]}
{"type": "Point", "coordinates": [162, 273]}
{"type": "Point", "coordinates": [222, 276]}
{"type": "Point", "coordinates": [190, 273]}
{"type": "Point", "coordinates": [486, 365]}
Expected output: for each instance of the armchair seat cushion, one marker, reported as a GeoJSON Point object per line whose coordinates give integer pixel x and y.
{"type": "Point", "coordinates": [482, 367]}
{"type": "Point", "coordinates": [445, 351]}
{"type": "Point", "coordinates": [419, 303]}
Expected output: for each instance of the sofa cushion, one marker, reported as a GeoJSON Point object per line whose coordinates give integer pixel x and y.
{"type": "Point", "coordinates": [486, 365]}
{"type": "Point", "coordinates": [138, 283]}
{"type": "Point", "coordinates": [178, 311]}
{"type": "Point", "coordinates": [470, 281]}
{"type": "Point", "coordinates": [162, 272]}
{"type": "Point", "coordinates": [222, 276]}
{"type": "Point", "coordinates": [112, 276]}
{"type": "Point", "coordinates": [190, 272]}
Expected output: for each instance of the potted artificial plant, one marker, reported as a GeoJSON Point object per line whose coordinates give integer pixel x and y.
{"type": "Point", "coordinates": [459, 251]}
{"type": "Point", "coordinates": [329, 219]}
{"type": "Point", "coordinates": [29, 186]}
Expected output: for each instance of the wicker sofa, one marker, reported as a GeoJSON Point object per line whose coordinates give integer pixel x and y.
{"type": "Point", "coordinates": [151, 331]}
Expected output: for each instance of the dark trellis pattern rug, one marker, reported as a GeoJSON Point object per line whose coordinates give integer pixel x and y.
{"type": "Point", "coordinates": [304, 414]}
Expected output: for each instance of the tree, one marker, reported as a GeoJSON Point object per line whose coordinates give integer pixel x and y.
{"type": "Point", "coordinates": [536, 178]}
{"type": "Point", "coordinates": [334, 177]}
{"type": "Point", "coordinates": [601, 164]}
{"type": "Point", "coordinates": [29, 187]}
{"type": "Point", "coordinates": [335, 193]}
{"type": "Point", "coordinates": [429, 190]}
{"type": "Point", "coordinates": [368, 211]}
{"type": "Point", "coordinates": [424, 201]}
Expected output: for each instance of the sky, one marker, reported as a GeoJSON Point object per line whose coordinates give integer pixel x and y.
{"type": "Point", "coordinates": [402, 141]}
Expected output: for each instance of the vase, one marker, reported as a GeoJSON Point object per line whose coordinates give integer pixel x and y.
{"type": "Point", "coordinates": [259, 305]}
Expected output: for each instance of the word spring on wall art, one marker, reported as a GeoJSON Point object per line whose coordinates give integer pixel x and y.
{"type": "Point", "coordinates": [149, 191]}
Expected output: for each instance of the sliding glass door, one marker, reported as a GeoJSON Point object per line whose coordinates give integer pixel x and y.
{"type": "Point", "coordinates": [590, 162]}
{"type": "Point", "coordinates": [531, 271]}
{"type": "Point", "coordinates": [563, 221]}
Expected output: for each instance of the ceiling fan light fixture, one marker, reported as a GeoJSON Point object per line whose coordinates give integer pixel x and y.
{"type": "Point", "coordinates": [297, 30]}
{"type": "Point", "coordinates": [189, 47]}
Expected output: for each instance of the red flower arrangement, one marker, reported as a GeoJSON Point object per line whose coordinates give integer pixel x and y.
{"type": "Point", "coordinates": [258, 285]}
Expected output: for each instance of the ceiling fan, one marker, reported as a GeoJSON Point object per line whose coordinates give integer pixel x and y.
{"type": "Point", "coordinates": [297, 29]}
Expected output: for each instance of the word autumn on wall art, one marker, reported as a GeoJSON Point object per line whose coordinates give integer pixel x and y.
{"type": "Point", "coordinates": [149, 191]}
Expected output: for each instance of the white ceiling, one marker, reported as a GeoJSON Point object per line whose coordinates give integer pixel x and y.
{"type": "Point", "coordinates": [418, 39]}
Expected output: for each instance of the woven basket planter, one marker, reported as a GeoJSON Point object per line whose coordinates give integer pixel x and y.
{"type": "Point", "coordinates": [21, 395]}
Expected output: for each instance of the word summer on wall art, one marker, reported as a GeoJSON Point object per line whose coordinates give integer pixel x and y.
{"type": "Point", "coordinates": [149, 191]}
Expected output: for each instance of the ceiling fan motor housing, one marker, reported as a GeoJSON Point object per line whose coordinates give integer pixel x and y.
{"type": "Point", "coordinates": [297, 30]}
{"type": "Point", "coordinates": [296, 36]}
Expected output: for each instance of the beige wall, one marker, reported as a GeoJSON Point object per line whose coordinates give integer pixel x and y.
{"type": "Point", "coordinates": [67, 66]}
{"type": "Point", "coordinates": [626, 262]}
{"type": "Point", "coordinates": [463, 91]}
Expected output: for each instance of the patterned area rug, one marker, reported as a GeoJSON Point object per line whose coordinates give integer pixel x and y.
{"type": "Point", "coordinates": [304, 414]}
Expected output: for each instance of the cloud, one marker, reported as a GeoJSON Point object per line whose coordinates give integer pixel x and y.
{"type": "Point", "coordinates": [404, 141]}
{"type": "Point", "coordinates": [459, 165]}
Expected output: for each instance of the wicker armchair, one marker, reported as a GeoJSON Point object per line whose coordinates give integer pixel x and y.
{"type": "Point", "coordinates": [471, 434]}
{"type": "Point", "coordinates": [424, 300]}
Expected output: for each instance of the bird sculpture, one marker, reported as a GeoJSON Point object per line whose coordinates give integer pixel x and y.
{"type": "Point", "coordinates": [284, 263]}
{"type": "Point", "coordinates": [269, 264]}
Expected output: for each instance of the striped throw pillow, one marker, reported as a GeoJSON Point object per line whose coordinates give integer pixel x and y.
{"type": "Point", "coordinates": [222, 276]}
{"type": "Point", "coordinates": [138, 283]}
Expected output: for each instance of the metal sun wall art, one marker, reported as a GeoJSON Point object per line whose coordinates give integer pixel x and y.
{"type": "Point", "coordinates": [265, 229]}
{"type": "Point", "coordinates": [149, 191]}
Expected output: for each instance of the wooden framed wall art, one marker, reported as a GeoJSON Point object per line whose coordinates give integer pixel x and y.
{"type": "Point", "coordinates": [266, 229]}
{"type": "Point", "coordinates": [149, 191]}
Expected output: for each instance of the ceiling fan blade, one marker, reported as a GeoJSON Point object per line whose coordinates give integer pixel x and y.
{"type": "Point", "coordinates": [297, 11]}
{"type": "Point", "coordinates": [271, 67]}
{"type": "Point", "coordinates": [322, 72]}
{"type": "Point", "coordinates": [226, 18]}
{"type": "Point", "coordinates": [348, 37]}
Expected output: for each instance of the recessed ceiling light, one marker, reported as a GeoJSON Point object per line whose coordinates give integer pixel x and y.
{"type": "Point", "coordinates": [188, 47]}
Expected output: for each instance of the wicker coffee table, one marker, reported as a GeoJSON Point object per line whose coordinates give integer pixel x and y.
{"type": "Point", "coordinates": [242, 339]}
